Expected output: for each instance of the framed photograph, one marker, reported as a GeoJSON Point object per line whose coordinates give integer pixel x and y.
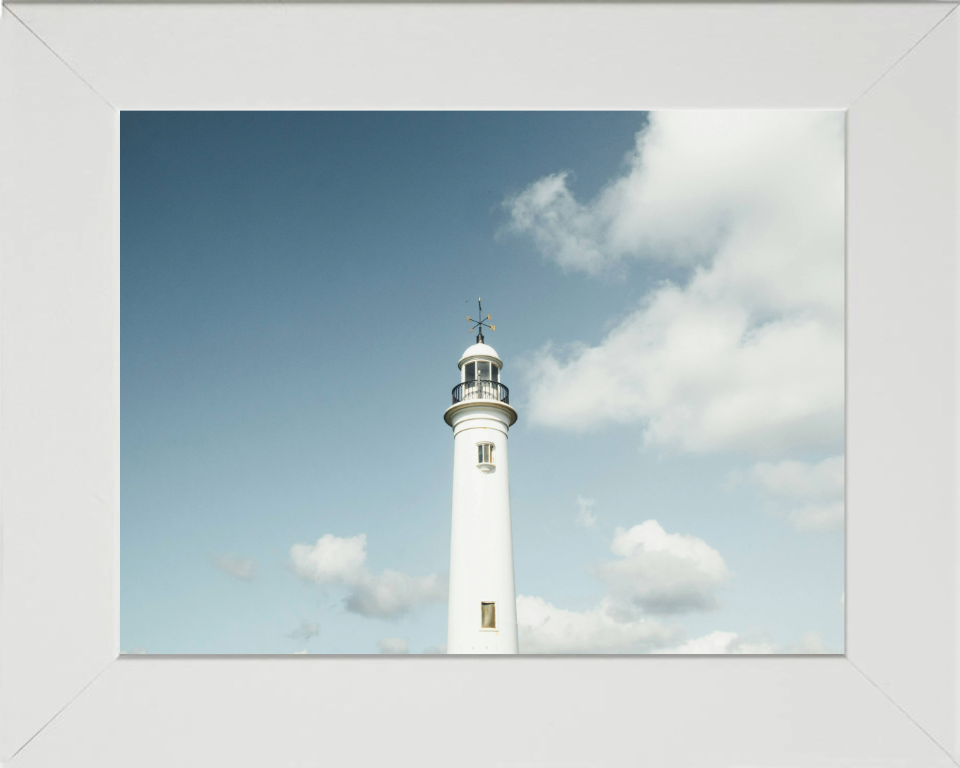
{"type": "Point", "coordinates": [648, 430]}
{"type": "Point", "coordinates": [744, 564]}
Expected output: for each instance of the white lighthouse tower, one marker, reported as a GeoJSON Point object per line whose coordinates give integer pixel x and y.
{"type": "Point", "coordinates": [482, 616]}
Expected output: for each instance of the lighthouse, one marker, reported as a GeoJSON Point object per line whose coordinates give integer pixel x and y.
{"type": "Point", "coordinates": [482, 614]}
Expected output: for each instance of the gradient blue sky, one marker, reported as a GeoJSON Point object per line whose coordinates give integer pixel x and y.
{"type": "Point", "coordinates": [294, 292]}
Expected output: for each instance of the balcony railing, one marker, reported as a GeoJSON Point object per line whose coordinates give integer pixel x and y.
{"type": "Point", "coordinates": [481, 390]}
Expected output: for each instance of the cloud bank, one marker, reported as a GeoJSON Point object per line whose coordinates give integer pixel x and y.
{"type": "Point", "coordinates": [746, 352]}
{"type": "Point", "coordinates": [608, 628]}
{"type": "Point", "coordinates": [342, 560]}
{"type": "Point", "coordinates": [724, 642]}
{"type": "Point", "coordinates": [655, 573]}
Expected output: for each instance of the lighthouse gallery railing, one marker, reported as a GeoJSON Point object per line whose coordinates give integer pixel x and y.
{"type": "Point", "coordinates": [481, 390]}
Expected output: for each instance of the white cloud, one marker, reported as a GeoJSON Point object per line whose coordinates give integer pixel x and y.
{"type": "Point", "coordinates": [435, 649]}
{"type": "Point", "coordinates": [586, 517]}
{"type": "Point", "coordinates": [661, 572]}
{"type": "Point", "coordinates": [614, 627]}
{"type": "Point", "coordinates": [332, 560]}
{"type": "Point", "coordinates": [336, 560]}
{"type": "Point", "coordinates": [818, 517]}
{"type": "Point", "coordinates": [802, 481]}
{"type": "Point", "coordinates": [564, 230]}
{"type": "Point", "coordinates": [812, 642]}
{"type": "Point", "coordinates": [746, 352]}
{"type": "Point", "coordinates": [810, 495]}
{"type": "Point", "coordinates": [394, 645]}
{"type": "Point", "coordinates": [393, 593]}
{"type": "Point", "coordinates": [720, 642]}
{"type": "Point", "coordinates": [656, 573]}
{"type": "Point", "coordinates": [611, 627]}
{"type": "Point", "coordinates": [238, 567]}
{"type": "Point", "coordinates": [305, 631]}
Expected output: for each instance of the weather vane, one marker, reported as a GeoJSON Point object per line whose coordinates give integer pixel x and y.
{"type": "Point", "coordinates": [479, 325]}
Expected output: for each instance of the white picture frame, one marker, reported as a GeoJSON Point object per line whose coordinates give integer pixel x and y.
{"type": "Point", "coordinates": [66, 698]}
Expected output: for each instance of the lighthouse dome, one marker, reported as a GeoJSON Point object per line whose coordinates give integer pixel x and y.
{"type": "Point", "coordinates": [481, 351]}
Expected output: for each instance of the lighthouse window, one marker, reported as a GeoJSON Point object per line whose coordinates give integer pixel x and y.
{"type": "Point", "coordinates": [483, 370]}
{"type": "Point", "coordinates": [471, 372]}
{"type": "Point", "coordinates": [488, 615]}
{"type": "Point", "coordinates": [496, 373]}
{"type": "Point", "coordinates": [485, 453]}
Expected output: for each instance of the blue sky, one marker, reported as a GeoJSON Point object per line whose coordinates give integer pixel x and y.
{"type": "Point", "coordinates": [294, 292]}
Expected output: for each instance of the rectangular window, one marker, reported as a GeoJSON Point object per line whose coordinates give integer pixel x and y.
{"type": "Point", "coordinates": [483, 370]}
{"type": "Point", "coordinates": [471, 372]}
{"type": "Point", "coordinates": [496, 373]}
{"type": "Point", "coordinates": [488, 615]}
{"type": "Point", "coordinates": [485, 453]}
